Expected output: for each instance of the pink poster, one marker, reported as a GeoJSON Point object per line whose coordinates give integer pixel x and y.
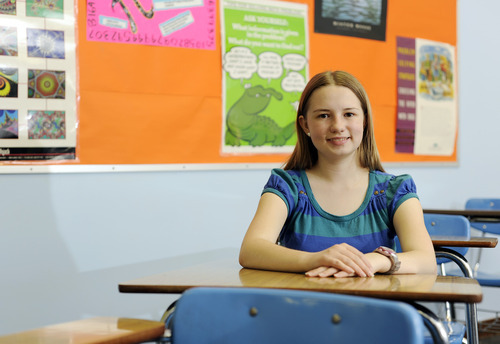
{"type": "Point", "coordinates": [169, 23]}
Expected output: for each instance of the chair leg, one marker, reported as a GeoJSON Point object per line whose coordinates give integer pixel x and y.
{"type": "Point", "coordinates": [167, 320]}
{"type": "Point", "coordinates": [479, 252]}
{"type": "Point", "coordinates": [450, 313]}
{"type": "Point", "coordinates": [453, 312]}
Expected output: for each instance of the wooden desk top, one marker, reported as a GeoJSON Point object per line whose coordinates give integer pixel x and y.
{"type": "Point", "coordinates": [487, 242]}
{"type": "Point", "coordinates": [226, 272]}
{"type": "Point", "coordinates": [96, 330]}
{"type": "Point", "coordinates": [473, 215]}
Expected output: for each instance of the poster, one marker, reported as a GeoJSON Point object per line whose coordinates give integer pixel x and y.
{"type": "Point", "coordinates": [38, 102]}
{"type": "Point", "coordinates": [427, 97]}
{"type": "Point", "coordinates": [407, 95]}
{"type": "Point", "coordinates": [264, 70]}
{"type": "Point", "coordinates": [169, 23]}
{"type": "Point", "coordinates": [354, 18]}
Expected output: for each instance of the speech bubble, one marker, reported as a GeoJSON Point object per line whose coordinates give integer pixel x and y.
{"type": "Point", "coordinates": [294, 62]}
{"type": "Point", "coordinates": [293, 82]}
{"type": "Point", "coordinates": [270, 65]}
{"type": "Point", "coordinates": [240, 63]}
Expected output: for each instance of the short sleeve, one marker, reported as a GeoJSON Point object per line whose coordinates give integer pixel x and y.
{"type": "Point", "coordinates": [283, 184]}
{"type": "Point", "coordinates": [400, 189]}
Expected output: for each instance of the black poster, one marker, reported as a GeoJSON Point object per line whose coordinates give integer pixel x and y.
{"type": "Point", "coordinates": [355, 18]}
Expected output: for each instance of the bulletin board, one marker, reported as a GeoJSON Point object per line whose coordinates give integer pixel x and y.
{"type": "Point", "coordinates": [143, 104]}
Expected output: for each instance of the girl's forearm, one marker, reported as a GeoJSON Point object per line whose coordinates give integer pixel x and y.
{"type": "Point", "coordinates": [262, 254]}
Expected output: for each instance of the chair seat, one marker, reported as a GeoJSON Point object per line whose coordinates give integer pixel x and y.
{"type": "Point", "coordinates": [488, 280]}
{"type": "Point", "coordinates": [484, 279]}
{"type": "Point", "coordinates": [456, 331]}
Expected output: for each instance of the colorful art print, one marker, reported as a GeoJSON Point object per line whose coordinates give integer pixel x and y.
{"type": "Point", "coordinates": [9, 124]}
{"type": "Point", "coordinates": [45, 43]}
{"type": "Point", "coordinates": [354, 18]}
{"type": "Point", "coordinates": [46, 125]}
{"type": "Point", "coordinates": [8, 41]}
{"type": "Point", "coordinates": [46, 84]}
{"type": "Point", "coordinates": [8, 7]}
{"type": "Point", "coordinates": [172, 23]}
{"type": "Point", "coordinates": [45, 8]}
{"type": "Point", "coordinates": [436, 79]}
{"type": "Point", "coordinates": [9, 80]}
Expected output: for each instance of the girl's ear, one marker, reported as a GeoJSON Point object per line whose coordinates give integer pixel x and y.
{"type": "Point", "coordinates": [303, 124]}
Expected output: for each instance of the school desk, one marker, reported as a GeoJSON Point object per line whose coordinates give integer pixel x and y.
{"type": "Point", "coordinates": [443, 245]}
{"type": "Point", "coordinates": [224, 271]}
{"type": "Point", "coordinates": [457, 241]}
{"type": "Point", "coordinates": [440, 242]}
{"type": "Point", "coordinates": [472, 215]}
{"type": "Point", "coordinates": [100, 330]}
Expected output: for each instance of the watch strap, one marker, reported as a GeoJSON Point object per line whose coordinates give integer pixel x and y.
{"type": "Point", "coordinates": [392, 255]}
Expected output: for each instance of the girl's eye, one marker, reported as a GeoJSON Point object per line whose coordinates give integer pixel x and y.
{"type": "Point", "coordinates": [323, 115]}
{"type": "Point", "coordinates": [349, 114]}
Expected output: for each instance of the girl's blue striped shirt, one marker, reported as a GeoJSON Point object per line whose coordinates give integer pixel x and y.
{"type": "Point", "coordinates": [309, 228]}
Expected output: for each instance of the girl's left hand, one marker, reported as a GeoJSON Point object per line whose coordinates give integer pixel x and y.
{"type": "Point", "coordinates": [325, 271]}
{"type": "Point", "coordinates": [377, 261]}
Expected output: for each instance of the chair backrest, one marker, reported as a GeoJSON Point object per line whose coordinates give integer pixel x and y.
{"type": "Point", "coordinates": [445, 225]}
{"type": "Point", "coordinates": [448, 225]}
{"type": "Point", "coordinates": [484, 204]}
{"type": "Point", "coordinates": [258, 315]}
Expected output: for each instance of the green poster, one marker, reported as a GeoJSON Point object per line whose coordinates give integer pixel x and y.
{"type": "Point", "coordinates": [265, 69]}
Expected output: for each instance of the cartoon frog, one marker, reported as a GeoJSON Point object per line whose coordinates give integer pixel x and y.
{"type": "Point", "coordinates": [244, 122]}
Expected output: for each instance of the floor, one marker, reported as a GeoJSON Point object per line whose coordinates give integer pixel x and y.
{"type": "Point", "coordinates": [489, 331]}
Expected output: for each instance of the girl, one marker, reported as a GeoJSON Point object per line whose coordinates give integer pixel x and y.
{"type": "Point", "coordinates": [332, 210]}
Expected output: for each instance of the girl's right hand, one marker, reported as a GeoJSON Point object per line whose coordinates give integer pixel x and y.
{"type": "Point", "coordinates": [341, 260]}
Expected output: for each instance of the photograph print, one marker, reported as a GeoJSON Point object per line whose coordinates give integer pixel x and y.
{"type": "Point", "coordinates": [355, 18]}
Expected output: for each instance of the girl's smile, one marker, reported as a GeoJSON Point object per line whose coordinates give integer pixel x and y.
{"type": "Point", "coordinates": [338, 141]}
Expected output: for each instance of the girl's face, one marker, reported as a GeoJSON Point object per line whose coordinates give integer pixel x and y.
{"type": "Point", "coordinates": [334, 120]}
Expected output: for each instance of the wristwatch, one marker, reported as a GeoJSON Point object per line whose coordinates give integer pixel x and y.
{"type": "Point", "coordinates": [391, 254]}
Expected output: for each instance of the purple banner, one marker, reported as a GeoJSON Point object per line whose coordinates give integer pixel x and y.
{"type": "Point", "coordinates": [407, 93]}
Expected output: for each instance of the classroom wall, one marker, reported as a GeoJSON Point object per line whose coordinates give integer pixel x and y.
{"type": "Point", "coordinates": [69, 239]}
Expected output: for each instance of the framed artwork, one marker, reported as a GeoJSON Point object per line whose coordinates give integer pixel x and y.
{"type": "Point", "coordinates": [355, 18]}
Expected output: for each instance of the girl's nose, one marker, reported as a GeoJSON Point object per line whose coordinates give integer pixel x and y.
{"type": "Point", "coordinates": [337, 124]}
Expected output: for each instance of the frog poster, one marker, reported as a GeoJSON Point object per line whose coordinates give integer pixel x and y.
{"type": "Point", "coordinates": [264, 71]}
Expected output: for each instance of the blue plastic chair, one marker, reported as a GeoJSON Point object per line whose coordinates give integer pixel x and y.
{"type": "Point", "coordinates": [274, 316]}
{"type": "Point", "coordinates": [448, 225]}
{"type": "Point", "coordinates": [484, 278]}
